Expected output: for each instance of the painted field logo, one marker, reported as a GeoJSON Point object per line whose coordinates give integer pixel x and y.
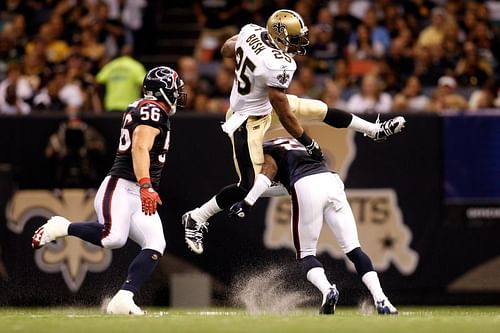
{"type": "Point", "coordinates": [71, 256]}
{"type": "Point", "coordinates": [382, 232]}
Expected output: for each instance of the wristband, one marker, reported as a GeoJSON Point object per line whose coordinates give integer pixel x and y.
{"type": "Point", "coordinates": [305, 140]}
{"type": "Point", "coordinates": [145, 182]}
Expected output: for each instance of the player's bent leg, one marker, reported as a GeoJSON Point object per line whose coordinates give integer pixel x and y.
{"type": "Point", "coordinates": [56, 227]}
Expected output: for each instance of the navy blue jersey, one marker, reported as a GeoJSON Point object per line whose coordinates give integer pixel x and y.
{"type": "Point", "coordinates": [293, 161]}
{"type": "Point", "coordinates": [142, 112]}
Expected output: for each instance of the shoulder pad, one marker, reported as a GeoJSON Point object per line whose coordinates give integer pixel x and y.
{"type": "Point", "coordinates": [277, 60]}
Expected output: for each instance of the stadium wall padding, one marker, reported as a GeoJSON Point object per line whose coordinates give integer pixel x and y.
{"type": "Point", "coordinates": [426, 250]}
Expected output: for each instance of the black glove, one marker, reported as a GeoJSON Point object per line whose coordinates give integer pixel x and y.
{"type": "Point", "coordinates": [239, 210]}
{"type": "Point", "coordinates": [311, 146]}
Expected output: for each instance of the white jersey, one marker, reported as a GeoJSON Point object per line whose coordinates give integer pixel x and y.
{"type": "Point", "coordinates": [259, 65]}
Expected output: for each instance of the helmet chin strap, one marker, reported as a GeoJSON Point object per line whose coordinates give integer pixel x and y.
{"type": "Point", "coordinates": [173, 107]}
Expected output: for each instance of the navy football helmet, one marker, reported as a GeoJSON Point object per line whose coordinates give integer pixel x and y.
{"type": "Point", "coordinates": [163, 83]}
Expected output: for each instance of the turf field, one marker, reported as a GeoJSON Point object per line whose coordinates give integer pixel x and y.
{"type": "Point", "coordinates": [411, 319]}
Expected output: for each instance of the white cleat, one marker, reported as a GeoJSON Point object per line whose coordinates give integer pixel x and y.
{"type": "Point", "coordinates": [387, 128]}
{"type": "Point", "coordinates": [56, 227]}
{"type": "Point", "coordinates": [384, 307]}
{"type": "Point", "coordinates": [123, 304]}
{"type": "Point", "coordinates": [193, 232]}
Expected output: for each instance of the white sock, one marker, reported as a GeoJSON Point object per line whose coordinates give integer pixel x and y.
{"type": "Point", "coordinates": [317, 277]}
{"type": "Point", "coordinates": [372, 282]}
{"type": "Point", "coordinates": [363, 126]}
{"type": "Point", "coordinates": [206, 211]}
{"type": "Point", "coordinates": [260, 185]}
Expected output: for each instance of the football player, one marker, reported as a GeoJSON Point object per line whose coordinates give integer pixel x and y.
{"type": "Point", "coordinates": [264, 69]}
{"type": "Point", "coordinates": [127, 200]}
{"type": "Point", "coordinates": [317, 196]}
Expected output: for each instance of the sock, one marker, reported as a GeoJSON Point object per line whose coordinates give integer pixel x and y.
{"type": "Point", "coordinates": [337, 118]}
{"type": "Point", "coordinates": [360, 260]}
{"type": "Point", "coordinates": [141, 269]}
{"type": "Point", "coordinates": [260, 185]}
{"type": "Point", "coordinates": [206, 211]}
{"type": "Point", "coordinates": [317, 277]}
{"type": "Point", "coordinates": [88, 231]}
{"type": "Point", "coordinates": [363, 126]}
{"type": "Point", "coordinates": [372, 282]}
{"type": "Point", "coordinates": [230, 195]}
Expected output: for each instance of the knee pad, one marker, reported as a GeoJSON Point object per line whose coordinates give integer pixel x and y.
{"type": "Point", "coordinates": [113, 242]}
{"type": "Point", "coordinates": [156, 245]}
{"type": "Point", "coordinates": [308, 263]}
{"type": "Point", "coordinates": [361, 261]}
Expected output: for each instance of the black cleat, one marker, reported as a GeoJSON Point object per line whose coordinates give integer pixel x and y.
{"type": "Point", "coordinates": [328, 307]}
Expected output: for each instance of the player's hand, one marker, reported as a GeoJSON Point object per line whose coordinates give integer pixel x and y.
{"type": "Point", "coordinates": [239, 210]}
{"type": "Point", "coordinates": [149, 197]}
{"type": "Point", "coordinates": [312, 147]}
{"type": "Point", "coordinates": [314, 150]}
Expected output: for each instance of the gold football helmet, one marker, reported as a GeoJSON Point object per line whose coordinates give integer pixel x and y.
{"type": "Point", "coordinates": [287, 30]}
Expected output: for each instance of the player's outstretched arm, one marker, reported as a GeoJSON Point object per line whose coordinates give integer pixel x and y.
{"type": "Point", "coordinates": [260, 185]}
{"type": "Point", "coordinates": [280, 104]}
{"type": "Point", "coordinates": [142, 142]}
{"type": "Point", "coordinates": [228, 48]}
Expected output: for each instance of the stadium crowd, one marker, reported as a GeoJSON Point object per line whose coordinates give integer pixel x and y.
{"type": "Point", "coordinates": [364, 56]}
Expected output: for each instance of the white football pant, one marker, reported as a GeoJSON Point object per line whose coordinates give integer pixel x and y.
{"type": "Point", "coordinates": [316, 199]}
{"type": "Point", "coordinates": [118, 207]}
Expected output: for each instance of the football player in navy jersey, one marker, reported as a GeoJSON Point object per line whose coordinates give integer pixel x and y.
{"type": "Point", "coordinates": [317, 196]}
{"type": "Point", "coordinates": [127, 200]}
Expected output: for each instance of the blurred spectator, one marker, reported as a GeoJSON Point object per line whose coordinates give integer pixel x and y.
{"type": "Point", "coordinates": [122, 78]}
{"type": "Point", "coordinates": [60, 94]}
{"type": "Point", "coordinates": [307, 80]}
{"type": "Point", "coordinates": [215, 18]}
{"type": "Point", "coordinates": [483, 98]}
{"type": "Point", "coordinates": [411, 98]}
{"type": "Point", "coordinates": [379, 34]}
{"type": "Point", "coordinates": [11, 103]}
{"type": "Point", "coordinates": [129, 12]}
{"type": "Point", "coordinates": [371, 99]}
{"type": "Point", "coordinates": [188, 70]}
{"type": "Point", "coordinates": [400, 60]}
{"type": "Point", "coordinates": [24, 90]}
{"type": "Point", "coordinates": [434, 33]}
{"type": "Point", "coordinates": [219, 96]}
{"type": "Point", "coordinates": [75, 152]}
{"type": "Point", "coordinates": [445, 96]}
{"type": "Point", "coordinates": [363, 47]}
{"type": "Point", "coordinates": [323, 48]}
{"type": "Point", "coordinates": [344, 24]}
{"type": "Point", "coordinates": [471, 69]}
{"type": "Point", "coordinates": [332, 96]}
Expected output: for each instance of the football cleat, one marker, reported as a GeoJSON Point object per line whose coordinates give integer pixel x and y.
{"type": "Point", "coordinates": [193, 232]}
{"type": "Point", "coordinates": [123, 304]}
{"type": "Point", "coordinates": [330, 301]}
{"type": "Point", "coordinates": [56, 227]}
{"type": "Point", "coordinates": [388, 128]}
{"type": "Point", "coordinates": [384, 307]}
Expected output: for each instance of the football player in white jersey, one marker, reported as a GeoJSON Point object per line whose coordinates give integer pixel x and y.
{"type": "Point", "coordinates": [264, 69]}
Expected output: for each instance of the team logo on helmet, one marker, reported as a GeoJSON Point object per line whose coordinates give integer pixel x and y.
{"type": "Point", "coordinates": [279, 27]}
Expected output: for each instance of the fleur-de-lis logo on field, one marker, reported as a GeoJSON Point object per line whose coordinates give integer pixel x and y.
{"type": "Point", "coordinates": [283, 77]}
{"type": "Point", "coordinates": [71, 256]}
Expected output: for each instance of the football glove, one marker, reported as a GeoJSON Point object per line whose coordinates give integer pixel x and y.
{"type": "Point", "coordinates": [239, 210]}
{"type": "Point", "coordinates": [149, 197]}
{"type": "Point", "coordinates": [388, 128]}
{"type": "Point", "coordinates": [312, 147]}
